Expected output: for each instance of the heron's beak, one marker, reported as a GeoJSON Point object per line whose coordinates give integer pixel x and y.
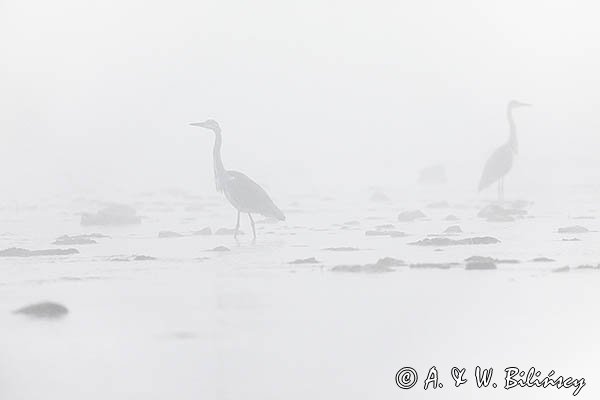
{"type": "Point", "coordinates": [200, 124]}
{"type": "Point", "coordinates": [525, 105]}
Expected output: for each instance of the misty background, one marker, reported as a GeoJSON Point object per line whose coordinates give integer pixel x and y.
{"type": "Point", "coordinates": [96, 97]}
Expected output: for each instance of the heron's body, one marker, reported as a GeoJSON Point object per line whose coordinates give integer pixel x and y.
{"type": "Point", "coordinates": [501, 161]}
{"type": "Point", "coordinates": [245, 195]}
{"type": "Point", "coordinates": [497, 166]}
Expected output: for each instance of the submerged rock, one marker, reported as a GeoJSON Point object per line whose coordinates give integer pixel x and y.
{"type": "Point", "coordinates": [17, 252]}
{"type": "Point", "coordinates": [203, 232]}
{"type": "Point", "coordinates": [369, 268]}
{"type": "Point", "coordinates": [453, 229]}
{"type": "Point", "coordinates": [66, 240]}
{"type": "Point", "coordinates": [562, 269]}
{"type": "Point", "coordinates": [112, 215]}
{"type": "Point", "coordinates": [543, 259]}
{"type": "Point", "coordinates": [573, 229]}
{"type": "Point", "coordinates": [571, 240]}
{"type": "Point", "coordinates": [132, 258]}
{"type": "Point", "coordinates": [310, 260]}
{"type": "Point", "coordinates": [451, 217]}
{"type": "Point", "coordinates": [379, 197]}
{"type": "Point", "coordinates": [409, 216]}
{"type": "Point", "coordinates": [432, 265]}
{"type": "Point", "coordinates": [390, 262]}
{"type": "Point", "coordinates": [385, 233]}
{"type": "Point", "coordinates": [476, 259]}
{"type": "Point", "coordinates": [438, 204]}
{"type": "Point", "coordinates": [432, 175]}
{"type": "Point", "coordinates": [343, 248]}
{"type": "Point", "coordinates": [481, 265]}
{"type": "Point", "coordinates": [220, 248]}
{"type": "Point", "coordinates": [45, 309]}
{"type": "Point", "coordinates": [169, 234]}
{"type": "Point", "coordinates": [227, 231]}
{"type": "Point", "coordinates": [497, 213]}
{"type": "Point", "coordinates": [589, 266]}
{"type": "Point", "coordinates": [443, 241]}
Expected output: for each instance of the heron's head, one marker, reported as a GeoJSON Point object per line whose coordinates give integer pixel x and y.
{"type": "Point", "coordinates": [517, 104]}
{"type": "Point", "coordinates": [208, 124]}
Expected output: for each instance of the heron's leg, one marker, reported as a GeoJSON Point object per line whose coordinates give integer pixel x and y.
{"type": "Point", "coordinates": [499, 190]}
{"type": "Point", "coordinates": [237, 226]}
{"type": "Point", "coordinates": [502, 189]}
{"type": "Point", "coordinates": [253, 229]}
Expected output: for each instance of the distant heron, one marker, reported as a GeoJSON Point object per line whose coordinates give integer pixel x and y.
{"type": "Point", "coordinates": [501, 161]}
{"type": "Point", "coordinates": [245, 195]}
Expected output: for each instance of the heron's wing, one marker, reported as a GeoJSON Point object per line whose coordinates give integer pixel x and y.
{"type": "Point", "coordinates": [247, 196]}
{"type": "Point", "coordinates": [496, 166]}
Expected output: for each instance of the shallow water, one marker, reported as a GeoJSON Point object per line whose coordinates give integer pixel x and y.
{"type": "Point", "coordinates": [246, 323]}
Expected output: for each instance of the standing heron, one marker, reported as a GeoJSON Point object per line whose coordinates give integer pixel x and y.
{"type": "Point", "coordinates": [245, 195]}
{"type": "Point", "coordinates": [501, 161]}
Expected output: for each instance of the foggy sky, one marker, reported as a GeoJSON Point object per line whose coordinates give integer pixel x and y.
{"type": "Point", "coordinates": [98, 95]}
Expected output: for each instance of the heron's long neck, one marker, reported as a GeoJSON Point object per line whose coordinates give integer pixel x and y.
{"type": "Point", "coordinates": [218, 163]}
{"type": "Point", "coordinates": [512, 139]}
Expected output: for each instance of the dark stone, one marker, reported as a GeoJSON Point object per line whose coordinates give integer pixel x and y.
{"type": "Point", "coordinates": [46, 309]}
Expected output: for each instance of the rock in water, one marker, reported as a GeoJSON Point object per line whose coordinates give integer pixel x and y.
{"type": "Point", "coordinates": [433, 175]}
{"type": "Point", "coordinates": [206, 231]}
{"type": "Point", "coordinates": [442, 241]}
{"type": "Point", "coordinates": [389, 262]}
{"type": "Point", "coordinates": [112, 215]}
{"type": "Point", "coordinates": [220, 248]}
{"type": "Point", "coordinates": [45, 309]}
{"type": "Point", "coordinates": [409, 216]}
{"type": "Point", "coordinates": [480, 265]}
{"type": "Point", "coordinates": [169, 234]}
{"type": "Point", "coordinates": [453, 229]}
{"type": "Point", "coordinates": [573, 229]}
{"type": "Point", "coordinates": [67, 240]}
{"type": "Point", "coordinates": [310, 260]}
{"type": "Point", "coordinates": [17, 252]}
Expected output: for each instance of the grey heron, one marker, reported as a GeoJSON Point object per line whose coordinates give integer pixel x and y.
{"type": "Point", "coordinates": [501, 161]}
{"type": "Point", "coordinates": [245, 195]}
